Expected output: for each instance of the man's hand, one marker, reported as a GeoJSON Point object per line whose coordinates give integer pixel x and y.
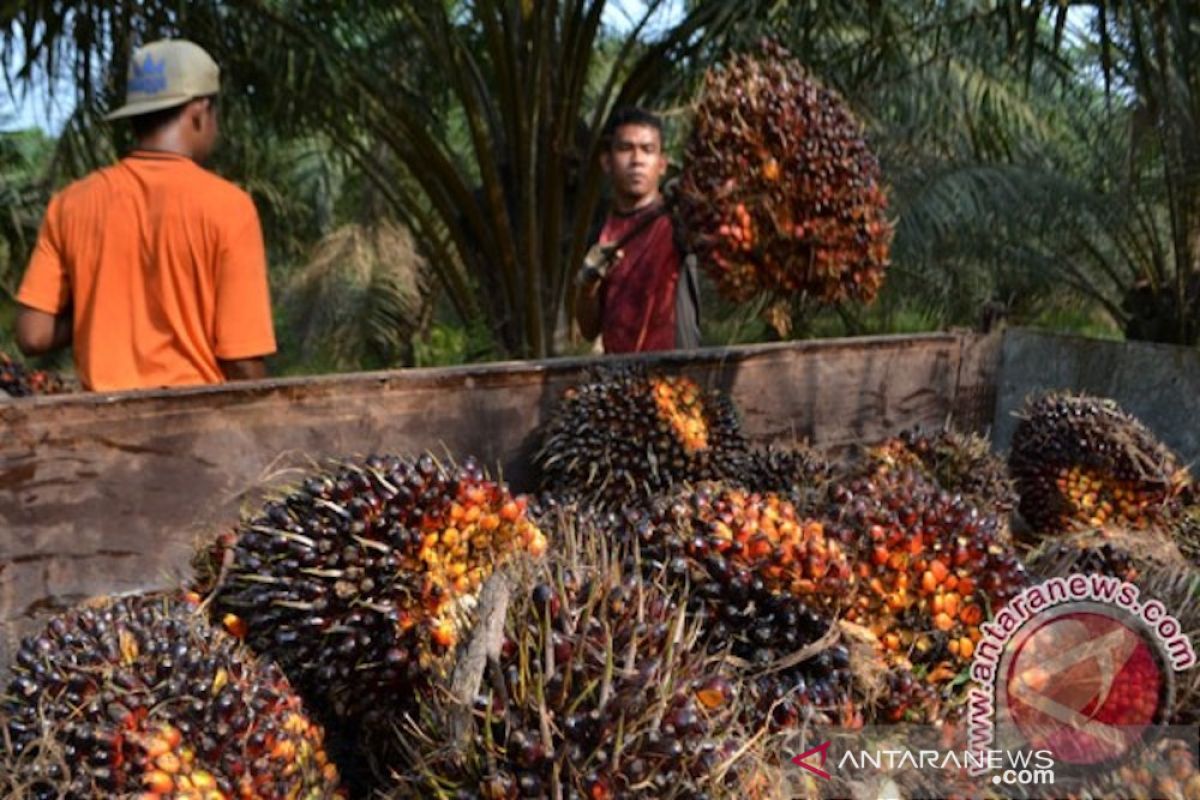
{"type": "Point", "coordinates": [245, 369]}
{"type": "Point", "coordinates": [597, 262]}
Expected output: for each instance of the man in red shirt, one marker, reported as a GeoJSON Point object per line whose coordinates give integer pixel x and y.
{"type": "Point", "coordinates": [629, 289]}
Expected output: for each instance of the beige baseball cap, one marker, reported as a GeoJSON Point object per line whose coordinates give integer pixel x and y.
{"type": "Point", "coordinates": [167, 73]}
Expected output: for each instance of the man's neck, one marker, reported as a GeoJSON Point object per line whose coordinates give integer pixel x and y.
{"type": "Point", "coordinates": [628, 205]}
{"type": "Point", "coordinates": [165, 143]}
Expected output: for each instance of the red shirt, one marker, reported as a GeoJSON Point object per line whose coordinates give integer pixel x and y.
{"type": "Point", "coordinates": [638, 296]}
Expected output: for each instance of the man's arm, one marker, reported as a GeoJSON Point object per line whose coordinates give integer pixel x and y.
{"type": "Point", "coordinates": [244, 369]}
{"type": "Point", "coordinates": [587, 307]}
{"type": "Point", "coordinates": [589, 310]}
{"type": "Point", "coordinates": [40, 332]}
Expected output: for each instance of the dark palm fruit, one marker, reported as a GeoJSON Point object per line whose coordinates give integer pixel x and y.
{"type": "Point", "coordinates": [1081, 461]}
{"type": "Point", "coordinates": [631, 712]}
{"type": "Point", "coordinates": [929, 566]}
{"type": "Point", "coordinates": [780, 189]}
{"type": "Point", "coordinates": [358, 582]}
{"type": "Point", "coordinates": [141, 697]}
{"type": "Point", "coordinates": [624, 435]}
{"type": "Point", "coordinates": [960, 463]}
{"type": "Point", "coordinates": [18, 380]}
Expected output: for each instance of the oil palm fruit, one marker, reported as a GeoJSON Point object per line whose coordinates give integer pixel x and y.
{"type": "Point", "coordinates": [359, 582]}
{"type": "Point", "coordinates": [624, 435]}
{"type": "Point", "coordinates": [779, 187]}
{"type": "Point", "coordinates": [599, 691]}
{"type": "Point", "coordinates": [766, 584]}
{"type": "Point", "coordinates": [960, 463]}
{"type": "Point", "coordinates": [18, 380]}
{"type": "Point", "coordinates": [141, 697]}
{"type": "Point", "coordinates": [1082, 461]}
{"type": "Point", "coordinates": [929, 567]}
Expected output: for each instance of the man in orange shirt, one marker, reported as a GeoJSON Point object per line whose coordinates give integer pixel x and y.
{"type": "Point", "coordinates": [154, 268]}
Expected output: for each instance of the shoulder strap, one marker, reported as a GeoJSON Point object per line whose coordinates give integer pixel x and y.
{"type": "Point", "coordinates": [687, 293]}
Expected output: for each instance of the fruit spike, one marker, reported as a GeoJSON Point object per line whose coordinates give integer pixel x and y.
{"type": "Point", "coordinates": [779, 187]}
{"type": "Point", "coordinates": [359, 581]}
{"type": "Point", "coordinates": [141, 697]}
{"type": "Point", "coordinates": [598, 692]}
{"type": "Point", "coordinates": [960, 463]}
{"type": "Point", "coordinates": [623, 435]}
{"type": "Point", "coordinates": [1081, 461]}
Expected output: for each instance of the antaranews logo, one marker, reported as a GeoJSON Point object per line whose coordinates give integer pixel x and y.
{"type": "Point", "coordinates": [1078, 666]}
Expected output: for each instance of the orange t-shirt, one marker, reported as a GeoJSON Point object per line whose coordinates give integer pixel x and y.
{"type": "Point", "coordinates": [165, 267]}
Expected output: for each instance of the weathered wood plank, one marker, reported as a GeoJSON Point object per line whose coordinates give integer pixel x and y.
{"type": "Point", "coordinates": [103, 494]}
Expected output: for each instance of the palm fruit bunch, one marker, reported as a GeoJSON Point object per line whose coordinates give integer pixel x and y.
{"type": "Point", "coordinates": [765, 583]}
{"type": "Point", "coordinates": [625, 435]}
{"type": "Point", "coordinates": [141, 697]}
{"type": "Point", "coordinates": [779, 187]}
{"type": "Point", "coordinates": [960, 463]}
{"type": "Point", "coordinates": [798, 471]}
{"type": "Point", "coordinates": [359, 582]}
{"type": "Point", "coordinates": [1081, 461]}
{"type": "Point", "coordinates": [929, 566]}
{"type": "Point", "coordinates": [597, 691]}
{"type": "Point", "coordinates": [18, 380]}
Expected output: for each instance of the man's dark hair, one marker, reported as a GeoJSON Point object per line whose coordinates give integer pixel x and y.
{"type": "Point", "coordinates": [145, 125]}
{"type": "Point", "coordinates": [630, 115]}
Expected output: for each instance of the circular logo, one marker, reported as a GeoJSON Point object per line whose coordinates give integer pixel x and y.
{"type": "Point", "coordinates": [1085, 683]}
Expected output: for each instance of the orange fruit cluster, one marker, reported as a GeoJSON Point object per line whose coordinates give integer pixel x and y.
{"type": "Point", "coordinates": [1095, 499]}
{"type": "Point", "coordinates": [458, 553]}
{"type": "Point", "coordinates": [789, 554]}
{"type": "Point", "coordinates": [680, 404]}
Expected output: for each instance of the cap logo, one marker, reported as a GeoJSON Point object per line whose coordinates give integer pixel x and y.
{"type": "Point", "coordinates": [149, 77]}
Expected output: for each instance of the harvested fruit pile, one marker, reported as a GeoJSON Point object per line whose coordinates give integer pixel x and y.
{"type": "Point", "coordinates": [624, 435]}
{"type": "Point", "coordinates": [359, 582]}
{"type": "Point", "coordinates": [18, 380]}
{"type": "Point", "coordinates": [140, 696]}
{"type": "Point", "coordinates": [696, 603]}
{"type": "Point", "coordinates": [1082, 461]}
{"type": "Point", "coordinates": [779, 187]}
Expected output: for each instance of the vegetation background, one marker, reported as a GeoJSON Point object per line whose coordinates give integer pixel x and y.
{"type": "Point", "coordinates": [427, 172]}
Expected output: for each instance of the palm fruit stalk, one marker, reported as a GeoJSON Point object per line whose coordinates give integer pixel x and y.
{"type": "Point", "coordinates": [1081, 461]}
{"type": "Point", "coordinates": [779, 187]}
{"type": "Point", "coordinates": [624, 435]}
{"type": "Point", "coordinates": [929, 566]}
{"type": "Point", "coordinates": [360, 581]}
{"type": "Point", "coordinates": [18, 380]}
{"type": "Point", "coordinates": [141, 697]}
{"type": "Point", "coordinates": [766, 584]}
{"type": "Point", "coordinates": [960, 463]}
{"type": "Point", "coordinates": [598, 690]}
